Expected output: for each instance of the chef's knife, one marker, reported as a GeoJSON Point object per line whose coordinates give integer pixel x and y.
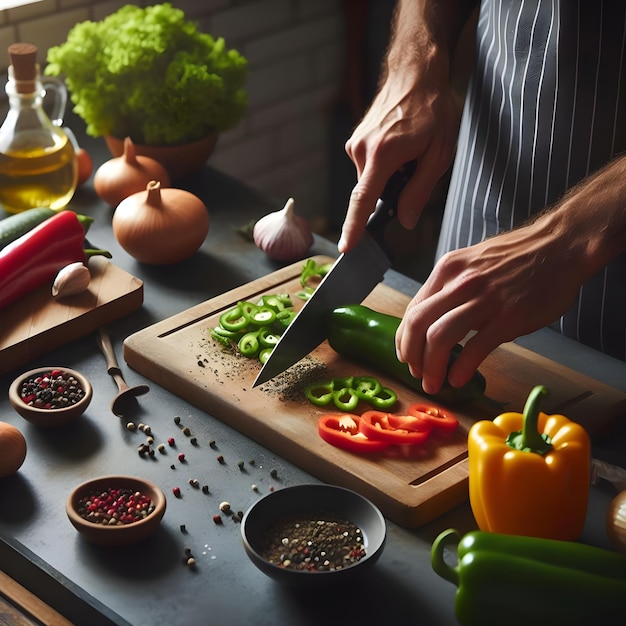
{"type": "Point", "coordinates": [351, 278]}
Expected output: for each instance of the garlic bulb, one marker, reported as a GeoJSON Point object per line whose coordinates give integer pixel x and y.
{"type": "Point", "coordinates": [72, 279]}
{"type": "Point", "coordinates": [283, 235]}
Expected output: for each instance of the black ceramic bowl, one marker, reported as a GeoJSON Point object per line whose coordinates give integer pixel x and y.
{"type": "Point", "coordinates": [310, 503]}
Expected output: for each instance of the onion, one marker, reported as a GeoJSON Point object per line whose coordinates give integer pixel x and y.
{"type": "Point", "coordinates": [616, 522]}
{"type": "Point", "coordinates": [160, 226]}
{"type": "Point", "coordinates": [127, 174]}
{"type": "Point", "coordinates": [283, 235]}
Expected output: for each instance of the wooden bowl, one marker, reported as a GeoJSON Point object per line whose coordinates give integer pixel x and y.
{"type": "Point", "coordinates": [120, 533]}
{"type": "Point", "coordinates": [312, 503]}
{"type": "Point", "coordinates": [49, 417]}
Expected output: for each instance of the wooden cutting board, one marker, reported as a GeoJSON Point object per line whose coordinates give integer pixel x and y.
{"type": "Point", "coordinates": [411, 487]}
{"type": "Point", "coordinates": [39, 323]}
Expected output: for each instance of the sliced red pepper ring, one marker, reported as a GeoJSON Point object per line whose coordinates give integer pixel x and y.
{"type": "Point", "coordinates": [343, 431]}
{"type": "Point", "coordinates": [395, 429]}
{"type": "Point", "coordinates": [442, 420]}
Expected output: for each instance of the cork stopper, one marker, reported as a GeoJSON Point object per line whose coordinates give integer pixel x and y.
{"type": "Point", "coordinates": [24, 68]}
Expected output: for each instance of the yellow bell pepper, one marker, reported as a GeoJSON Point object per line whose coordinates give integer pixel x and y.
{"type": "Point", "coordinates": [529, 473]}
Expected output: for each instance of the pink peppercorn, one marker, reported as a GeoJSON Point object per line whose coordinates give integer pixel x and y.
{"type": "Point", "coordinates": [217, 519]}
{"type": "Point", "coordinates": [181, 457]}
{"type": "Point", "coordinates": [176, 491]}
{"type": "Point", "coordinates": [171, 441]}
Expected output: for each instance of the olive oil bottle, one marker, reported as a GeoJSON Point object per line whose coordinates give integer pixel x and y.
{"type": "Point", "coordinates": [37, 159]}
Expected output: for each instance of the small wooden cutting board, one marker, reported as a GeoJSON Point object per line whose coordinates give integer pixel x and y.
{"type": "Point", "coordinates": [38, 323]}
{"type": "Point", "coordinates": [411, 486]}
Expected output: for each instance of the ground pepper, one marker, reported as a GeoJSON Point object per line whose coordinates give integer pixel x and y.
{"type": "Point", "coordinates": [315, 543]}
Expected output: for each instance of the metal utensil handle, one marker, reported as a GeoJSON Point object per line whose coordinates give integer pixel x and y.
{"type": "Point", "coordinates": [387, 206]}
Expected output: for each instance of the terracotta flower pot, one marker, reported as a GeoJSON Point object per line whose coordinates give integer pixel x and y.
{"type": "Point", "coordinates": [180, 160]}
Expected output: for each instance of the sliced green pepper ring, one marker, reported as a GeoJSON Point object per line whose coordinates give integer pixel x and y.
{"type": "Point", "coordinates": [340, 383]}
{"type": "Point", "coordinates": [284, 317]}
{"type": "Point", "coordinates": [366, 386]}
{"type": "Point", "coordinates": [319, 394]}
{"type": "Point", "coordinates": [263, 316]}
{"type": "Point", "coordinates": [345, 399]}
{"type": "Point", "coordinates": [234, 319]}
{"type": "Point", "coordinates": [265, 354]}
{"type": "Point", "coordinates": [267, 338]}
{"type": "Point", "coordinates": [249, 344]}
{"type": "Point", "coordinates": [384, 399]}
{"type": "Point", "coordinates": [219, 336]}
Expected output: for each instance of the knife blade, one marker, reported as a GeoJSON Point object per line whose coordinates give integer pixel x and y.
{"type": "Point", "coordinates": [351, 278]}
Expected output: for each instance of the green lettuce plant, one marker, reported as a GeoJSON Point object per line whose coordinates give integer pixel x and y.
{"type": "Point", "coordinates": [149, 74]}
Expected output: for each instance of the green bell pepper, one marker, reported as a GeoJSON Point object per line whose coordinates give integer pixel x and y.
{"type": "Point", "coordinates": [517, 580]}
{"type": "Point", "coordinates": [363, 334]}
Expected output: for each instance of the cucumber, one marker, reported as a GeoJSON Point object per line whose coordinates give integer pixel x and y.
{"type": "Point", "coordinates": [14, 226]}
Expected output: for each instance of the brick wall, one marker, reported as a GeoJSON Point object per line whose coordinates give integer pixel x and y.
{"type": "Point", "coordinates": [295, 50]}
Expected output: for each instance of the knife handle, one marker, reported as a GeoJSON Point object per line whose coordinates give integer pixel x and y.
{"type": "Point", "coordinates": [387, 206]}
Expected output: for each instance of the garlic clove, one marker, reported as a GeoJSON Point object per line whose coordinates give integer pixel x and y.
{"type": "Point", "coordinates": [283, 235]}
{"type": "Point", "coordinates": [72, 279]}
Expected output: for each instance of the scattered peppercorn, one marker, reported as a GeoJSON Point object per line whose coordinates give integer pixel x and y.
{"type": "Point", "coordinates": [177, 420]}
{"type": "Point", "coordinates": [183, 528]}
{"type": "Point", "coordinates": [161, 448]}
{"type": "Point", "coordinates": [212, 444]}
{"type": "Point", "coordinates": [242, 465]}
{"type": "Point", "coordinates": [274, 473]}
{"type": "Point", "coordinates": [147, 430]}
{"type": "Point", "coordinates": [54, 389]}
{"type": "Point", "coordinates": [194, 482]}
{"type": "Point", "coordinates": [220, 459]}
{"type": "Point", "coordinates": [217, 519]}
{"type": "Point", "coordinates": [194, 441]}
{"type": "Point", "coordinates": [225, 507]}
{"type": "Point", "coordinates": [181, 457]}
{"type": "Point", "coordinates": [205, 489]}
{"type": "Point", "coordinates": [186, 431]}
{"type": "Point", "coordinates": [171, 441]}
{"type": "Point", "coordinates": [191, 562]}
{"type": "Point", "coordinates": [172, 466]}
{"type": "Point", "coordinates": [176, 492]}
{"type": "Point", "coordinates": [254, 488]}
{"type": "Point", "coordinates": [131, 426]}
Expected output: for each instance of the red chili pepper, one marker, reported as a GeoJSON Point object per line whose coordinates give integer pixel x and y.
{"type": "Point", "coordinates": [395, 429]}
{"type": "Point", "coordinates": [342, 430]}
{"type": "Point", "coordinates": [36, 257]}
{"type": "Point", "coordinates": [444, 421]}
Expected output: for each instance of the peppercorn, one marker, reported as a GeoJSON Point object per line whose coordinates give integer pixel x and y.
{"type": "Point", "coordinates": [181, 457]}
{"type": "Point", "coordinates": [205, 489]}
{"type": "Point", "coordinates": [171, 441]}
{"type": "Point", "coordinates": [177, 420]}
{"type": "Point", "coordinates": [186, 431]}
{"type": "Point", "coordinates": [220, 459]}
{"type": "Point", "coordinates": [217, 519]}
{"type": "Point", "coordinates": [130, 426]}
{"type": "Point", "coordinates": [115, 506]}
{"type": "Point", "coordinates": [54, 389]}
{"type": "Point", "coordinates": [176, 492]}
{"type": "Point", "coordinates": [161, 448]}
{"type": "Point", "coordinates": [242, 465]}
{"type": "Point", "coordinates": [224, 507]}
{"type": "Point", "coordinates": [194, 441]}
{"type": "Point", "coordinates": [212, 443]}
{"type": "Point", "coordinates": [274, 473]}
{"type": "Point", "coordinates": [194, 482]}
